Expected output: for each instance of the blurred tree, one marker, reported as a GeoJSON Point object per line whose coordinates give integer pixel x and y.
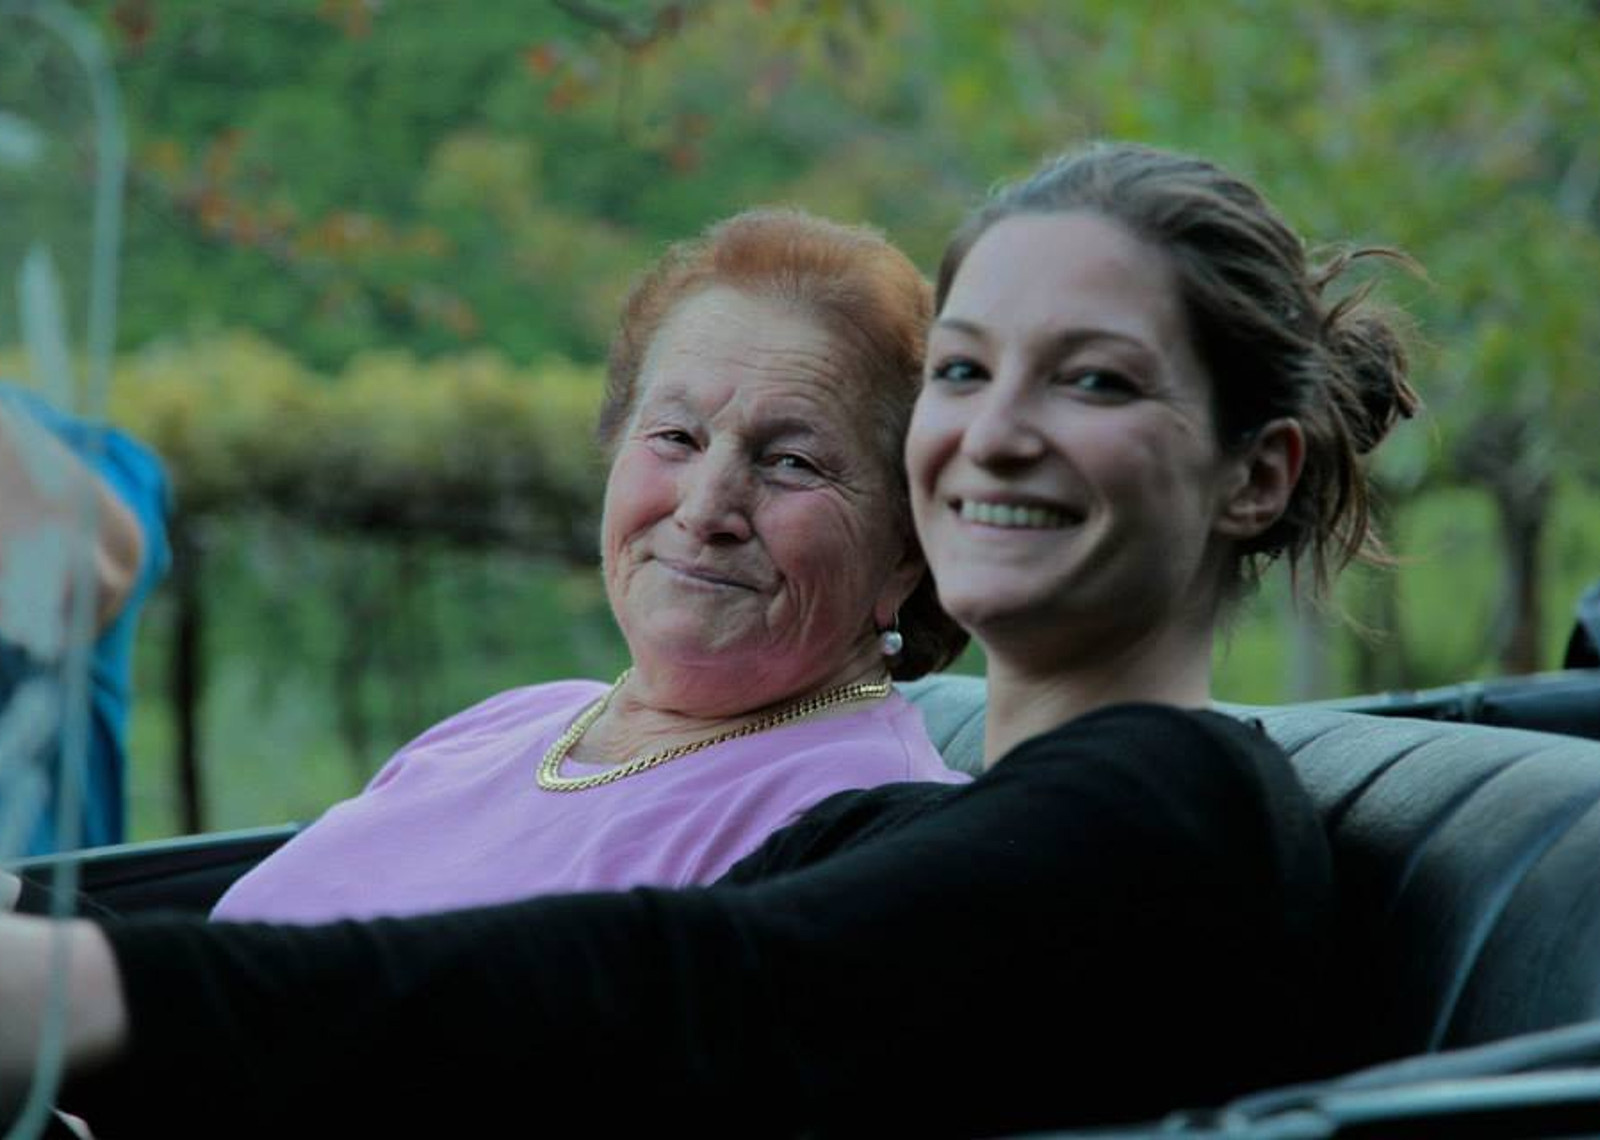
{"type": "Point", "coordinates": [338, 174]}
{"type": "Point", "coordinates": [1463, 132]}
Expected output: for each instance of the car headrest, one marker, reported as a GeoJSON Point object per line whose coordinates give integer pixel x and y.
{"type": "Point", "coordinates": [1468, 859]}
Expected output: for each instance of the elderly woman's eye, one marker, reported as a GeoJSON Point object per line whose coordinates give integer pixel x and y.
{"type": "Point", "coordinates": [674, 436]}
{"type": "Point", "coordinates": [789, 461]}
{"type": "Point", "coordinates": [958, 370]}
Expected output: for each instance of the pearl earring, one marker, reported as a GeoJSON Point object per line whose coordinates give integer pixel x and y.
{"type": "Point", "coordinates": [890, 643]}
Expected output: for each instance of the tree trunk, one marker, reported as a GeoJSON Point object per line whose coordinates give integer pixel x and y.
{"type": "Point", "coordinates": [186, 680]}
{"type": "Point", "coordinates": [1523, 515]}
{"type": "Point", "coordinates": [359, 586]}
{"type": "Point", "coordinates": [1505, 452]}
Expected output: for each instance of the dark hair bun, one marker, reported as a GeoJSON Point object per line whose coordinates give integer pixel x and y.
{"type": "Point", "coordinates": [1366, 346]}
{"type": "Point", "coordinates": [1371, 354]}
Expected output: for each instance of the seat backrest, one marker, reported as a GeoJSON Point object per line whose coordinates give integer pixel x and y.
{"type": "Point", "coordinates": [1565, 702]}
{"type": "Point", "coordinates": [1468, 859]}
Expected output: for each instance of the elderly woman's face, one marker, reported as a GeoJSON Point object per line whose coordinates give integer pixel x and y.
{"type": "Point", "coordinates": [1064, 472]}
{"type": "Point", "coordinates": [749, 527]}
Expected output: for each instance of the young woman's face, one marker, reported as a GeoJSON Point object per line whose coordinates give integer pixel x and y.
{"type": "Point", "coordinates": [1065, 475]}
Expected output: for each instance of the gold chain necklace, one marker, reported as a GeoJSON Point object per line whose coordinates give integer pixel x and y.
{"type": "Point", "coordinates": [551, 779]}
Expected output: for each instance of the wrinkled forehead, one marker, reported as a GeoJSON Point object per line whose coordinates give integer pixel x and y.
{"type": "Point", "coordinates": [723, 345]}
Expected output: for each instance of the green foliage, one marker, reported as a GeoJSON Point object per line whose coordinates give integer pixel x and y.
{"type": "Point", "coordinates": [361, 178]}
{"type": "Point", "coordinates": [337, 176]}
{"type": "Point", "coordinates": [468, 448]}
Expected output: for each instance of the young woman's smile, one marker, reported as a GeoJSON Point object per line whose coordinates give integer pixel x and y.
{"type": "Point", "coordinates": [1063, 463]}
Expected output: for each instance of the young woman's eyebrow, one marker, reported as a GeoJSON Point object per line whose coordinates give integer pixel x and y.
{"type": "Point", "coordinates": [961, 325]}
{"type": "Point", "coordinates": [1060, 343]}
{"type": "Point", "coordinates": [1072, 339]}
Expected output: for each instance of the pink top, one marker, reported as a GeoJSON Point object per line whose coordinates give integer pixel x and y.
{"type": "Point", "coordinates": [456, 818]}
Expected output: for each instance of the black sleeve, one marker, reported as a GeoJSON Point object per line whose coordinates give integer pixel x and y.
{"type": "Point", "coordinates": [1122, 917]}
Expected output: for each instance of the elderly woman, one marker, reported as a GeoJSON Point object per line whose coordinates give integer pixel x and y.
{"type": "Point", "coordinates": [760, 562]}
{"type": "Point", "coordinates": [1138, 392]}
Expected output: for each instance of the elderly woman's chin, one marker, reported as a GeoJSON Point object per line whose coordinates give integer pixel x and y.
{"type": "Point", "coordinates": [732, 662]}
{"type": "Point", "coordinates": [693, 641]}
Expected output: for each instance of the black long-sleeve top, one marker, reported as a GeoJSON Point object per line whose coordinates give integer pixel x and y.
{"type": "Point", "coordinates": [1123, 916]}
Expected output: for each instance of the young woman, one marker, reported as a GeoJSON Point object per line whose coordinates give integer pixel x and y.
{"type": "Point", "coordinates": [1138, 392]}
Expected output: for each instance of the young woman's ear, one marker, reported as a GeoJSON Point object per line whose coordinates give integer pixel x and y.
{"type": "Point", "coordinates": [1266, 474]}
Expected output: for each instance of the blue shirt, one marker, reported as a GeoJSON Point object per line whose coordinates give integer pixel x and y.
{"type": "Point", "coordinates": [136, 476]}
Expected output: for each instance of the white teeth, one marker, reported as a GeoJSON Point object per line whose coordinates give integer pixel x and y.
{"type": "Point", "coordinates": [1005, 515]}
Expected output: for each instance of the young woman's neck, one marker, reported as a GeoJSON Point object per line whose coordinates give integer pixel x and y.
{"type": "Point", "coordinates": [1027, 696]}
